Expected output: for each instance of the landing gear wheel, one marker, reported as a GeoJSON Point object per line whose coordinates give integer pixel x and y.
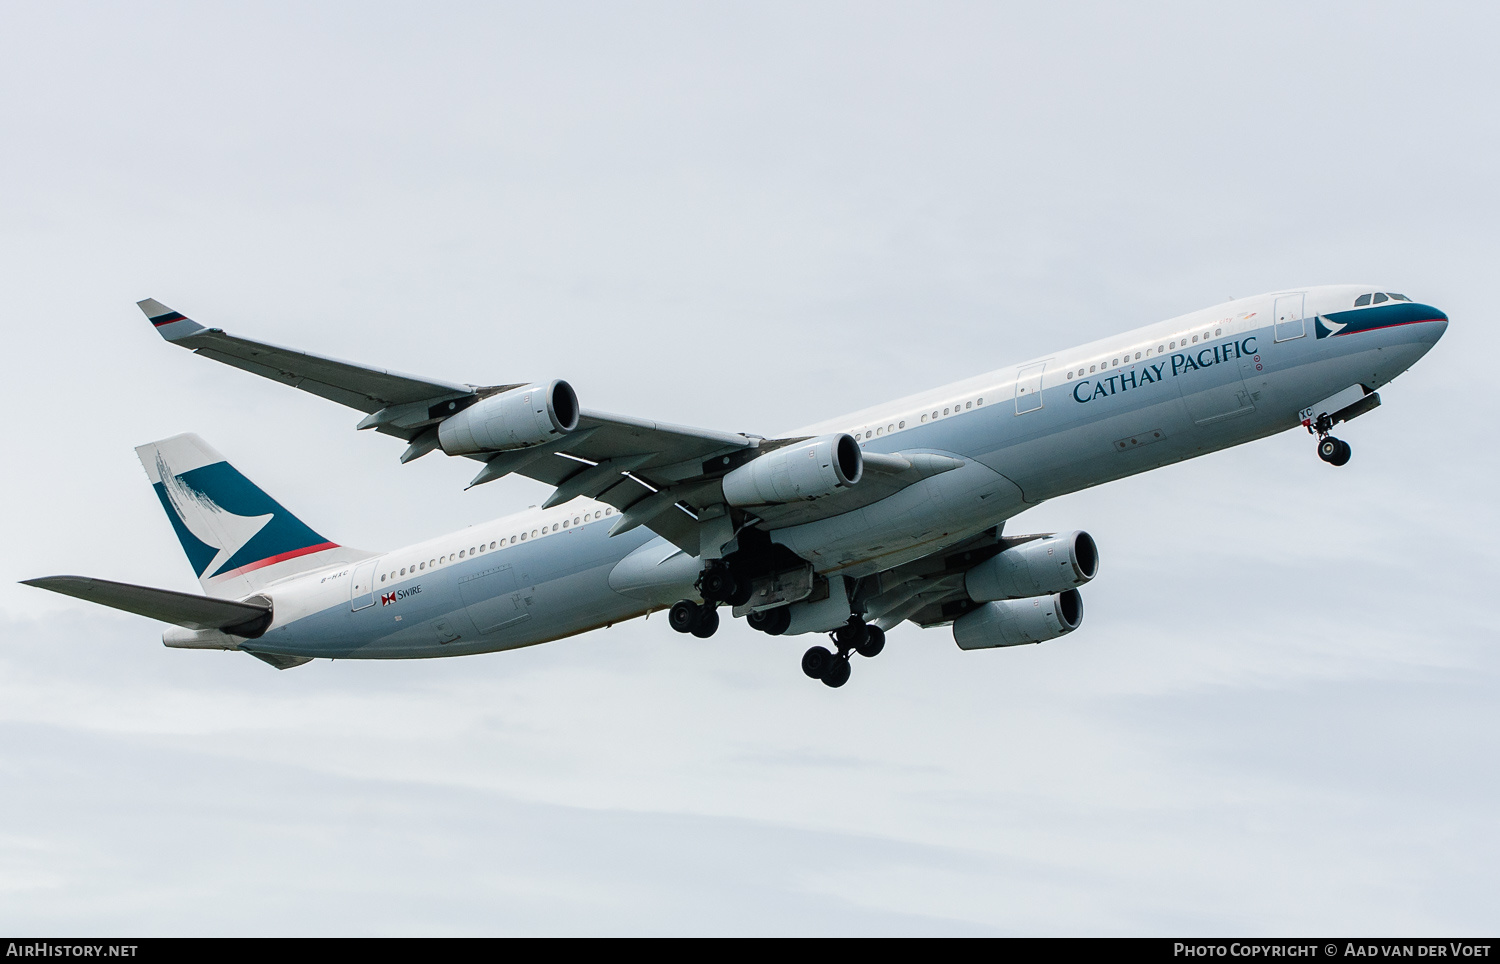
{"type": "Point", "coordinates": [837, 674]}
{"type": "Point", "coordinates": [852, 634]}
{"type": "Point", "coordinates": [716, 583]}
{"type": "Point", "coordinates": [708, 623]}
{"type": "Point", "coordinates": [873, 644]}
{"type": "Point", "coordinates": [816, 661]}
{"type": "Point", "coordinates": [684, 615]}
{"type": "Point", "coordinates": [772, 622]}
{"type": "Point", "coordinates": [1334, 451]}
{"type": "Point", "coordinates": [742, 592]}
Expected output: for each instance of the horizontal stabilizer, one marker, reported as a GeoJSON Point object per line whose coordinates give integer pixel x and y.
{"type": "Point", "coordinates": [182, 608]}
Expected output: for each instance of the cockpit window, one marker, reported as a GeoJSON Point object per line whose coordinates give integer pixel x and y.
{"type": "Point", "coordinates": [1396, 297]}
{"type": "Point", "coordinates": [1379, 298]}
{"type": "Point", "coordinates": [1361, 301]}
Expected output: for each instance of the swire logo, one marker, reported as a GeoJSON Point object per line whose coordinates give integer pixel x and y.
{"type": "Point", "coordinates": [395, 596]}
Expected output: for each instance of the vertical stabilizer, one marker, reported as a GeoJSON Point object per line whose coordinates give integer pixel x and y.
{"type": "Point", "coordinates": [237, 538]}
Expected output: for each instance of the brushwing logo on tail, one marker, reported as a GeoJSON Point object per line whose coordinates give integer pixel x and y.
{"type": "Point", "coordinates": [209, 522]}
{"type": "Point", "coordinates": [226, 524]}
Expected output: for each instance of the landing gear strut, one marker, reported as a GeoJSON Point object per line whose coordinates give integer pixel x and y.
{"type": "Point", "coordinates": [1331, 450]}
{"type": "Point", "coordinates": [855, 636]}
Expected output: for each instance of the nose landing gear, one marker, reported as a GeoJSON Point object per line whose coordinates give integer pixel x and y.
{"type": "Point", "coordinates": [1332, 450]}
{"type": "Point", "coordinates": [855, 636]}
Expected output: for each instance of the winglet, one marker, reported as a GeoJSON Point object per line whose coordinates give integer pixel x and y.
{"type": "Point", "coordinates": [173, 325]}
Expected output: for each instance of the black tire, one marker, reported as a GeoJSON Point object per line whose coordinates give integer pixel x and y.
{"type": "Point", "coordinates": [872, 646]}
{"type": "Point", "coordinates": [1344, 453]}
{"type": "Point", "coordinates": [772, 622]}
{"type": "Point", "coordinates": [1329, 449]}
{"type": "Point", "coordinates": [684, 615]}
{"type": "Point", "coordinates": [816, 661]}
{"type": "Point", "coordinates": [837, 674]}
{"type": "Point", "coordinates": [852, 634]}
{"type": "Point", "coordinates": [708, 623]}
{"type": "Point", "coordinates": [742, 591]}
{"type": "Point", "coordinates": [716, 584]}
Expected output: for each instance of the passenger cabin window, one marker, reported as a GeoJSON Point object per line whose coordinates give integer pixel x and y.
{"type": "Point", "coordinates": [1361, 301]}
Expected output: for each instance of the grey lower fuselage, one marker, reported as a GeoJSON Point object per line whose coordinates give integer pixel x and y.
{"type": "Point", "coordinates": [1027, 433]}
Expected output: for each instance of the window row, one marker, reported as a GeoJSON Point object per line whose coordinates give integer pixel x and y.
{"type": "Point", "coordinates": [1160, 350]}
{"type": "Point", "coordinates": [953, 409]}
{"type": "Point", "coordinates": [513, 540]}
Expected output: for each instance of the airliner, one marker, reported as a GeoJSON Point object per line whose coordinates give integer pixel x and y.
{"type": "Point", "coordinates": [844, 528]}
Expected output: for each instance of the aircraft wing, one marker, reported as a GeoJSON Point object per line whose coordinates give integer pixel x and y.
{"type": "Point", "coordinates": [357, 386]}
{"type": "Point", "coordinates": [643, 468]}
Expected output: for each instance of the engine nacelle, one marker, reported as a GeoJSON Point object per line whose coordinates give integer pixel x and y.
{"type": "Point", "coordinates": [795, 473]}
{"type": "Point", "coordinates": [1037, 568]}
{"type": "Point", "coordinates": [1015, 622]}
{"type": "Point", "coordinates": [516, 419]}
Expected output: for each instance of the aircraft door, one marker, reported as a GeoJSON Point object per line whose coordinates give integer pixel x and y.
{"type": "Point", "coordinates": [1029, 388]}
{"type": "Point", "coordinates": [1288, 317]}
{"type": "Point", "coordinates": [362, 587]}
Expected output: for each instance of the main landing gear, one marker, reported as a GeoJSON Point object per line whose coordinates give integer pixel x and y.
{"type": "Point", "coordinates": [718, 583]}
{"type": "Point", "coordinates": [1332, 450]}
{"type": "Point", "coordinates": [856, 636]}
{"type": "Point", "coordinates": [687, 616]}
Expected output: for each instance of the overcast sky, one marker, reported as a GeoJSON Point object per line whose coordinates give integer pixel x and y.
{"type": "Point", "coordinates": [1279, 717]}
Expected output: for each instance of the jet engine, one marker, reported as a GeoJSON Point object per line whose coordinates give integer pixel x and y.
{"type": "Point", "coordinates": [1014, 622]}
{"type": "Point", "coordinates": [1037, 568]}
{"type": "Point", "coordinates": [516, 419]}
{"type": "Point", "coordinates": [795, 473]}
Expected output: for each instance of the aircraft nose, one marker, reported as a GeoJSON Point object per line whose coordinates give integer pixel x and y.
{"type": "Point", "coordinates": [1432, 326]}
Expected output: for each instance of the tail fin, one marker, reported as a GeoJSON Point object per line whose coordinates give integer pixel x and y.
{"type": "Point", "coordinates": [237, 538]}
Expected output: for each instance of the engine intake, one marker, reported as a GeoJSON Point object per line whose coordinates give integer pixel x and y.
{"type": "Point", "coordinates": [1015, 622]}
{"type": "Point", "coordinates": [516, 419]}
{"type": "Point", "coordinates": [1037, 568]}
{"type": "Point", "coordinates": [795, 473]}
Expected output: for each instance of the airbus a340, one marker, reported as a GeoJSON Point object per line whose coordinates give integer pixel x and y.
{"type": "Point", "coordinates": [847, 527]}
